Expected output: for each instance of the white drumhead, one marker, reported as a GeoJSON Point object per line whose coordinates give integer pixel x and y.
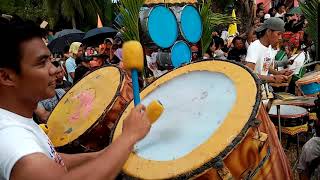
{"type": "Point", "coordinates": [287, 110]}
{"type": "Point", "coordinates": [184, 126]}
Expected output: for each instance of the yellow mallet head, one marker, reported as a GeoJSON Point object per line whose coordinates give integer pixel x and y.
{"type": "Point", "coordinates": [133, 57]}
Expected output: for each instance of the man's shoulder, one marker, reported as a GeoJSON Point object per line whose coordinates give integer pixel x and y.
{"type": "Point", "coordinates": [70, 60]}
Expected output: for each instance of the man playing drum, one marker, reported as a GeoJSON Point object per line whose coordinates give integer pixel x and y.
{"type": "Point", "coordinates": [26, 77]}
{"type": "Point", "coordinates": [260, 56]}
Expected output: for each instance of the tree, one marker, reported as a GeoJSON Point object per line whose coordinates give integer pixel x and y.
{"type": "Point", "coordinates": [310, 10]}
{"type": "Point", "coordinates": [26, 9]}
{"type": "Point", "coordinates": [73, 10]}
{"type": "Point", "coordinates": [108, 9]}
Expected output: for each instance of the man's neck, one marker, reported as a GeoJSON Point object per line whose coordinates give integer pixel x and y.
{"type": "Point", "coordinates": [264, 41]}
{"type": "Point", "coordinates": [18, 106]}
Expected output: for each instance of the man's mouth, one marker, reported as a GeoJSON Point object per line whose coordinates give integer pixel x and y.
{"type": "Point", "coordinates": [52, 83]}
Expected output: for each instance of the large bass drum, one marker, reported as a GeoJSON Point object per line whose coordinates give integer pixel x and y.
{"type": "Point", "coordinates": [83, 119]}
{"type": "Point", "coordinates": [208, 129]}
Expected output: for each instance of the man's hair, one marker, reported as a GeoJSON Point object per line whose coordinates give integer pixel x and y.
{"type": "Point", "coordinates": [236, 39]}
{"type": "Point", "coordinates": [12, 34]}
{"type": "Point", "coordinates": [261, 33]}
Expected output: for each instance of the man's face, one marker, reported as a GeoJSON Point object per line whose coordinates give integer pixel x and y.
{"type": "Point", "coordinates": [60, 75]}
{"type": "Point", "coordinates": [274, 37]}
{"type": "Point", "coordinates": [261, 13]}
{"type": "Point", "coordinates": [37, 78]}
{"type": "Point", "coordinates": [80, 52]}
{"type": "Point", "coordinates": [238, 44]}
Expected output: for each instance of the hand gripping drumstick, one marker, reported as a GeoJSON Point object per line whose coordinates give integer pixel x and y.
{"type": "Point", "coordinates": [133, 60]}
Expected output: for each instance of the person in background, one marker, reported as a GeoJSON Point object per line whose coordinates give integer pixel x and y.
{"type": "Point", "coordinates": [281, 11]}
{"type": "Point", "coordinates": [259, 55]}
{"type": "Point", "coordinates": [66, 53]}
{"type": "Point", "coordinates": [105, 47]}
{"type": "Point", "coordinates": [272, 11]}
{"type": "Point", "coordinates": [61, 83]}
{"type": "Point", "coordinates": [309, 160]}
{"type": "Point", "coordinates": [266, 16]}
{"type": "Point", "coordinates": [256, 22]}
{"type": "Point", "coordinates": [214, 50]}
{"type": "Point", "coordinates": [118, 42]}
{"type": "Point", "coordinates": [98, 61]}
{"type": "Point", "coordinates": [195, 53]}
{"type": "Point", "coordinates": [239, 51]}
{"type": "Point", "coordinates": [296, 60]}
{"type": "Point", "coordinates": [112, 58]}
{"type": "Point", "coordinates": [83, 68]}
{"type": "Point", "coordinates": [45, 107]}
{"type": "Point", "coordinates": [151, 57]}
{"type": "Point", "coordinates": [260, 14]}
{"type": "Point", "coordinates": [251, 37]}
{"type": "Point", "coordinates": [50, 36]}
{"type": "Point", "coordinates": [76, 51]}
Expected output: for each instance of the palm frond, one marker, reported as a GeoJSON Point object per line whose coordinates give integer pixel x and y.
{"type": "Point", "coordinates": [310, 11]}
{"type": "Point", "coordinates": [205, 12]}
{"type": "Point", "coordinates": [67, 9]}
{"type": "Point", "coordinates": [129, 10]}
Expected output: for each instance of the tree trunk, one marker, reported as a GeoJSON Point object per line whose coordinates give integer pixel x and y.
{"type": "Point", "coordinates": [73, 22]}
{"type": "Point", "coordinates": [245, 14]}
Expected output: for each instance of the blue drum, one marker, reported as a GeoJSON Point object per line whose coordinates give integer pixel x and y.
{"type": "Point", "coordinates": [190, 22]}
{"type": "Point", "coordinates": [160, 24]}
{"type": "Point", "coordinates": [180, 54]}
{"type": "Point", "coordinates": [309, 84]}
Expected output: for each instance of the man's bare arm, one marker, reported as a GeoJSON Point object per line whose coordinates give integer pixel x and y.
{"type": "Point", "coordinates": [106, 165]}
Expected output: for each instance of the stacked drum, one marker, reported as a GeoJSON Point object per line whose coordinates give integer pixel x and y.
{"type": "Point", "coordinates": [173, 29]}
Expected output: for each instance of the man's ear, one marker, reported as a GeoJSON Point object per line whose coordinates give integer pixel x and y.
{"type": "Point", "coordinates": [7, 77]}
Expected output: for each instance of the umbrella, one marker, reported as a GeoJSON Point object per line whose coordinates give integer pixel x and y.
{"type": "Point", "coordinates": [295, 10]}
{"type": "Point", "coordinates": [96, 36]}
{"type": "Point", "coordinates": [64, 38]}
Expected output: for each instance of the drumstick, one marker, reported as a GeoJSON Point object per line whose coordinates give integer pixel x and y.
{"type": "Point", "coordinates": [154, 110]}
{"type": "Point", "coordinates": [133, 60]}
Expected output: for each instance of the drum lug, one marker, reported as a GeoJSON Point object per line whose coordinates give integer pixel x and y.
{"type": "Point", "coordinates": [258, 136]}
{"type": "Point", "coordinates": [222, 170]}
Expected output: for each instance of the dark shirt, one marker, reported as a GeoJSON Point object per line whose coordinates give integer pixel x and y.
{"type": "Point", "coordinates": [64, 85]}
{"type": "Point", "coordinates": [114, 60]}
{"type": "Point", "coordinates": [235, 54]}
{"type": "Point", "coordinates": [80, 72]}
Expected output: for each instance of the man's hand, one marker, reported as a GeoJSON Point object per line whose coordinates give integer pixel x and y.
{"type": "Point", "coordinates": [137, 125]}
{"type": "Point", "coordinates": [285, 72]}
{"type": "Point", "coordinates": [280, 78]}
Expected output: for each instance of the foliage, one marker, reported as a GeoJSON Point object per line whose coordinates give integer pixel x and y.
{"type": "Point", "coordinates": [310, 11]}
{"type": "Point", "coordinates": [129, 10]}
{"type": "Point", "coordinates": [72, 10]}
{"type": "Point", "coordinates": [26, 9]}
{"type": "Point", "coordinates": [107, 8]}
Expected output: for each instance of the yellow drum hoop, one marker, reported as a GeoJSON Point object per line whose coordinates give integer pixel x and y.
{"type": "Point", "coordinates": [105, 84]}
{"type": "Point", "coordinates": [217, 146]}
